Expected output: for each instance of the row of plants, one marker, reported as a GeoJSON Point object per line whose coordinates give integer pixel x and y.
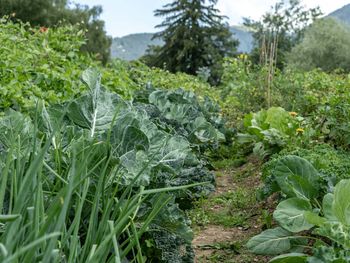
{"type": "Point", "coordinates": [307, 171]}
{"type": "Point", "coordinates": [304, 141]}
{"type": "Point", "coordinates": [319, 97]}
{"type": "Point", "coordinates": [101, 179]}
{"type": "Point", "coordinates": [313, 216]}
{"type": "Point", "coordinates": [46, 64]}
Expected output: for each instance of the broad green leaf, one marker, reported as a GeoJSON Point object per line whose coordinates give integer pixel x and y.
{"type": "Point", "coordinates": [277, 118]}
{"type": "Point", "coordinates": [175, 151]}
{"type": "Point", "coordinates": [290, 214]}
{"type": "Point", "coordinates": [302, 187]}
{"type": "Point", "coordinates": [341, 203]}
{"type": "Point", "coordinates": [204, 131]}
{"type": "Point", "coordinates": [92, 78]}
{"type": "Point", "coordinates": [135, 162]}
{"type": "Point", "coordinates": [95, 115]}
{"type": "Point", "coordinates": [125, 137]}
{"type": "Point", "coordinates": [327, 204]}
{"type": "Point", "coordinates": [259, 120]}
{"type": "Point", "coordinates": [314, 219]}
{"type": "Point", "coordinates": [95, 111]}
{"type": "Point", "coordinates": [274, 137]}
{"type": "Point", "coordinates": [290, 258]}
{"type": "Point", "coordinates": [297, 177]}
{"type": "Point", "coordinates": [16, 131]}
{"type": "Point", "coordinates": [271, 242]}
{"type": "Point", "coordinates": [134, 138]}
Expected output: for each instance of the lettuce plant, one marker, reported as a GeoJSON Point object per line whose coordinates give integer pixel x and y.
{"type": "Point", "coordinates": [269, 131]}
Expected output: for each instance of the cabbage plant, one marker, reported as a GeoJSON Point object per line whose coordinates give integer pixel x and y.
{"type": "Point", "coordinates": [94, 179]}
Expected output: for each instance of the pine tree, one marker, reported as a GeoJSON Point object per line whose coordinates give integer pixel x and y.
{"type": "Point", "coordinates": [195, 38]}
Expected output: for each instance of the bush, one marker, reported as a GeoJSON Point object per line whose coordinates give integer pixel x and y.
{"type": "Point", "coordinates": [98, 172]}
{"type": "Point", "coordinates": [333, 165]}
{"type": "Point", "coordinates": [47, 65]}
{"type": "Point", "coordinates": [326, 45]}
{"type": "Point", "coordinates": [39, 65]}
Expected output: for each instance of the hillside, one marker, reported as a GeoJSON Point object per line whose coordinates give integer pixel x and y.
{"type": "Point", "coordinates": [342, 14]}
{"type": "Point", "coordinates": [244, 36]}
{"type": "Point", "coordinates": [133, 46]}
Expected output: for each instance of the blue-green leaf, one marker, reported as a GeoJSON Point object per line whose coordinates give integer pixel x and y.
{"type": "Point", "coordinates": [271, 242]}
{"type": "Point", "coordinates": [290, 214]}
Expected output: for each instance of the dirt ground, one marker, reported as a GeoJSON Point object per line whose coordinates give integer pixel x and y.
{"type": "Point", "coordinates": [214, 242]}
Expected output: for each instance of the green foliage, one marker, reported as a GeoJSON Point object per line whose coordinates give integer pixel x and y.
{"type": "Point", "coordinates": [39, 65]}
{"type": "Point", "coordinates": [94, 176]}
{"type": "Point", "coordinates": [290, 214]}
{"type": "Point", "coordinates": [271, 242]}
{"type": "Point", "coordinates": [332, 166]}
{"type": "Point", "coordinates": [181, 112]}
{"type": "Point", "coordinates": [290, 258]}
{"type": "Point", "coordinates": [241, 90]}
{"type": "Point", "coordinates": [231, 209]}
{"type": "Point", "coordinates": [49, 13]}
{"type": "Point", "coordinates": [329, 221]}
{"type": "Point", "coordinates": [194, 38]}
{"type": "Point", "coordinates": [321, 98]}
{"type": "Point", "coordinates": [325, 45]}
{"type": "Point", "coordinates": [47, 66]}
{"type": "Point", "coordinates": [268, 131]}
{"type": "Point", "coordinates": [282, 28]}
{"type": "Point", "coordinates": [296, 177]}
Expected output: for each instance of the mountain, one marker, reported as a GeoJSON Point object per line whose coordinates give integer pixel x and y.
{"type": "Point", "coordinates": [244, 36]}
{"type": "Point", "coordinates": [342, 14]}
{"type": "Point", "coordinates": [134, 46]}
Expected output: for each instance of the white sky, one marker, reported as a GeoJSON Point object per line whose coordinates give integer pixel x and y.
{"type": "Point", "coordinates": [124, 17]}
{"type": "Point", "coordinates": [235, 10]}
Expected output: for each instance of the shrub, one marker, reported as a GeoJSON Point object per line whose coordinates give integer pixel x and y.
{"type": "Point", "coordinates": [326, 45]}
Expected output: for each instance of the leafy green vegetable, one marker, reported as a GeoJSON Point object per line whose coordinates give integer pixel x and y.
{"type": "Point", "coordinates": [341, 202]}
{"type": "Point", "coordinates": [96, 110]}
{"type": "Point", "coordinates": [183, 113]}
{"type": "Point", "coordinates": [271, 129]}
{"type": "Point", "coordinates": [297, 177]}
{"type": "Point", "coordinates": [271, 242]}
{"type": "Point", "coordinates": [290, 258]}
{"type": "Point", "coordinates": [290, 214]}
{"type": "Point", "coordinates": [97, 175]}
{"type": "Point", "coordinates": [327, 206]}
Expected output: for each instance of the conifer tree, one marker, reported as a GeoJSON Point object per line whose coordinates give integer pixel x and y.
{"type": "Point", "coordinates": [195, 38]}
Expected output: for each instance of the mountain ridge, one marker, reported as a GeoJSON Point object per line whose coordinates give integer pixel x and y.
{"type": "Point", "coordinates": [342, 14]}
{"type": "Point", "coordinates": [134, 46]}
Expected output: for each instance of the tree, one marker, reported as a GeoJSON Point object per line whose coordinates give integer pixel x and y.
{"type": "Point", "coordinates": [49, 13]}
{"type": "Point", "coordinates": [279, 30]}
{"type": "Point", "coordinates": [195, 37]}
{"type": "Point", "coordinates": [326, 45]}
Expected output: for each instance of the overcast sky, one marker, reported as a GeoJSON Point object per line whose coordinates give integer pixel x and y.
{"type": "Point", "coordinates": [124, 17]}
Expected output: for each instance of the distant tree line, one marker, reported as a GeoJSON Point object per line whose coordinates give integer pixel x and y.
{"type": "Point", "coordinates": [48, 13]}
{"type": "Point", "coordinates": [197, 38]}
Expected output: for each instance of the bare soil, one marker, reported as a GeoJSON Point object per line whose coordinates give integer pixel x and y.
{"type": "Point", "coordinates": [216, 243]}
